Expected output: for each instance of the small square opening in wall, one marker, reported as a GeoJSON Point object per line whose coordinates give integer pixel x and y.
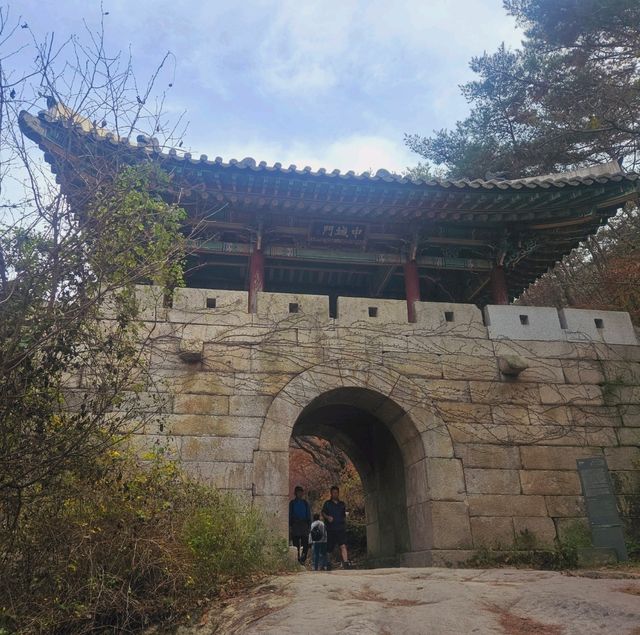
{"type": "Point", "coordinates": [524, 320]}
{"type": "Point", "coordinates": [599, 322]}
{"type": "Point", "coordinates": [373, 311]}
{"type": "Point", "coordinates": [211, 303]}
{"type": "Point", "coordinates": [448, 316]}
{"type": "Point", "coordinates": [294, 307]}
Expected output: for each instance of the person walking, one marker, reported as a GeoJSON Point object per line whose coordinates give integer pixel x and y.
{"type": "Point", "coordinates": [318, 541]}
{"type": "Point", "coordinates": [300, 523]}
{"type": "Point", "coordinates": [334, 512]}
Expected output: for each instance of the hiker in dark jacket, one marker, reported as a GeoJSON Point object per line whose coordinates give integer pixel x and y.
{"type": "Point", "coordinates": [334, 513]}
{"type": "Point", "coordinates": [299, 523]}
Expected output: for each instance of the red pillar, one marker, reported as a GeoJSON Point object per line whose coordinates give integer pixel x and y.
{"type": "Point", "coordinates": [499, 291]}
{"type": "Point", "coordinates": [412, 288]}
{"type": "Point", "coordinates": [256, 278]}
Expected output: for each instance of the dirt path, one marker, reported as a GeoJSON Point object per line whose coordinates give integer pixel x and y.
{"type": "Point", "coordinates": [431, 602]}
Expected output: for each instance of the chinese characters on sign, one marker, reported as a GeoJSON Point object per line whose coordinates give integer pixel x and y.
{"type": "Point", "coordinates": [354, 232]}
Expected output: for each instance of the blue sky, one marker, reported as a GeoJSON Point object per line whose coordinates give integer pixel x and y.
{"type": "Point", "coordinates": [331, 84]}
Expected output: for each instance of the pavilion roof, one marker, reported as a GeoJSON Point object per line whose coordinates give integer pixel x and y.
{"type": "Point", "coordinates": [556, 211]}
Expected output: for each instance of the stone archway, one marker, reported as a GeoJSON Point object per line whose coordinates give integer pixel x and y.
{"type": "Point", "coordinates": [407, 459]}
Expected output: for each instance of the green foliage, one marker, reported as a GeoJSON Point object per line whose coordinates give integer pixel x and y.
{"type": "Point", "coordinates": [526, 552]}
{"type": "Point", "coordinates": [231, 543]}
{"type": "Point", "coordinates": [567, 97]}
{"type": "Point", "coordinates": [134, 545]}
{"type": "Point", "coordinates": [58, 276]}
{"type": "Point", "coordinates": [631, 519]}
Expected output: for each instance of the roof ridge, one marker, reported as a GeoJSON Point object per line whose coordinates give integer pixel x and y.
{"type": "Point", "coordinates": [61, 115]}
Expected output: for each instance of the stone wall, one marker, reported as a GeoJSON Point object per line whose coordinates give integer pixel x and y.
{"type": "Point", "coordinates": [487, 453]}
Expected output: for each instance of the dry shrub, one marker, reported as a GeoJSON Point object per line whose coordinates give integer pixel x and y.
{"type": "Point", "coordinates": [133, 545]}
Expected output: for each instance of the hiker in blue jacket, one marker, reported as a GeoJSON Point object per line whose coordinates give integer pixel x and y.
{"type": "Point", "coordinates": [300, 523]}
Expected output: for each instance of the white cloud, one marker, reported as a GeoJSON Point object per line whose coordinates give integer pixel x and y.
{"type": "Point", "coordinates": [359, 153]}
{"type": "Point", "coordinates": [310, 48]}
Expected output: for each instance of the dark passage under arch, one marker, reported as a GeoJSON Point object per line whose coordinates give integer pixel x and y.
{"type": "Point", "coordinates": [362, 423]}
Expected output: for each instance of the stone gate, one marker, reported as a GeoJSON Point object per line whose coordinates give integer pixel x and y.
{"type": "Point", "coordinates": [465, 428]}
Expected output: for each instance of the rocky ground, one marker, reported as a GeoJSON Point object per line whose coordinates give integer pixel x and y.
{"type": "Point", "coordinates": [432, 602]}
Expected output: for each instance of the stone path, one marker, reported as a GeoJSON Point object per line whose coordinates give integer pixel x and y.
{"type": "Point", "coordinates": [431, 602]}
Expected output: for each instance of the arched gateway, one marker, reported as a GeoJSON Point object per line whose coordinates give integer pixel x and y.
{"type": "Point", "coordinates": [369, 309]}
{"type": "Point", "coordinates": [400, 448]}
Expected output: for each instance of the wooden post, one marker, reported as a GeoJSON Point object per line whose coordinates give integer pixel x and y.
{"type": "Point", "coordinates": [412, 288]}
{"type": "Point", "coordinates": [256, 278]}
{"type": "Point", "coordinates": [499, 291]}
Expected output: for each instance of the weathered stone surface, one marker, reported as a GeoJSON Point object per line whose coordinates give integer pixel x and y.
{"type": "Point", "coordinates": [446, 389]}
{"type": "Point", "coordinates": [456, 413]}
{"type": "Point", "coordinates": [451, 528]}
{"type": "Point", "coordinates": [437, 442]}
{"type": "Point", "coordinates": [276, 466]}
{"type": "Point", "coordinates": [225, 476]}
{"type": "Point", "coordinates": [550, 482]}
{"type": "Point", "coordinates": [489, 481]}
{"type": "Point", "coordinates": [546, 350]}
{"type": "Point", "coordinates": [615, 394]}
{"type": "Point", "coordinates": [420, 525]}
{"type": "Point", "coordinates": [554, 416]}
{"type": "Point", "coordinates": [542, 529]}
{"type": "Point", "coordinates": [504, 392]}
{"type": "Point", "coordinates": [445, 479]}
{"type": "Point", "coordinates": [492, 532]}
{"type": "Point", "coordinates": [269, 384]}
{"type": "Point", "coordinates": [596, 416]}
{"type": "Point", "coordinates": [212, 426]}
{"type": "Point", "coordinates": [450, 345]}
{"type": "Point", "coordinates": [624, 372]}
{"type": "Point", "coordinates": [543, 457]}
{"type": "Point", "coordinates": [416, 483]}
{"type": "Point", "coordinates": [584, 394]}
{"type": "Point", "coordinates": [469, 367]}
{"type": "Point", "coordinates": [195, 382]}
{"type": "Point", "coordinates": [488, 456]}
{"type": "Point", "coordinates": [565, 506]}
{"type": "Point", "coordinates": [249, 405]}
{"type": "Point", "coordinates": [579, 435]}
{"type": "Point", "coordinates": [627, 458]}
{"type": "Point", "coordinates": [583, 371]}
{"type": "Point", "coordinates": [510, 415]}
{"type": "Point", "coordinates": [224, 358]}
{"type": "Point", "coordinates": [629, 436]}
{"type": "Point", "coordinates": [217, 449]}
{"type": "Point", "coordinates": [201, 404]}
{"type": "Point", "coordinates": [423, 365]}
{"type": "Point", "coordinates": [278, 359]}
{"type": "Point", "coordinates": [542, 370]}
{"type": "Point", "coordinates": [630, 415]}
{"type": "Point", "coordinates": [506, 505]}
{"type": "Point", "coordinates": [626, 482]}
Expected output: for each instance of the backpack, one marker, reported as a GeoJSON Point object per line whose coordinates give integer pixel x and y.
{"type": "Point", "coordinates": [316, 533]}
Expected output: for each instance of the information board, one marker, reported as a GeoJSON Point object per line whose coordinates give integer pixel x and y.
{"type": "Point", "coordinates": [602, 510]}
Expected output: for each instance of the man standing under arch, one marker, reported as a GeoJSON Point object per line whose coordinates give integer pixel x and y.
{"type": "Point", "coordinates": [299, 523]}
{"type": "Point", "coordinates": [334, 512]}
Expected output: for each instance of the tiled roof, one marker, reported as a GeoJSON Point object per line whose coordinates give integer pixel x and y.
{"type": "Point", "coordinates": [602, 173]}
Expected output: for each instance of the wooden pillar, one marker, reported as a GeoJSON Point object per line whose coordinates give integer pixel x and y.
{"type": "Point", "coordinates": [256, 278]}
{"type": "Point", "coordinates": [412, 288]}
{"type": "Point", "coordinates": [499, 291]}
